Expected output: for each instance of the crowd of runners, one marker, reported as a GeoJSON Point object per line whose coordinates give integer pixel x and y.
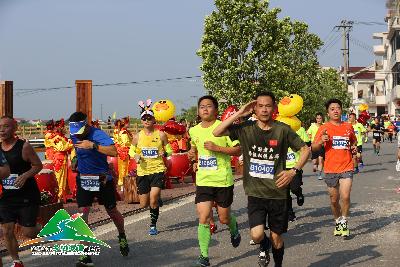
{"type": "Point", "coordinates": [273, 157]}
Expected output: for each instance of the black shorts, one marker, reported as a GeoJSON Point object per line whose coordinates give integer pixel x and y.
{"type": "Point", "coordinates": [223, 196]}
{"type": "Point", "coordinates": [377, 139]}
{"type": "Point", "coordinates": [146, 182]}
{"type": "Point", "coordinates": [319, 153]}
{"type": "Point", "coordinates": [359, 149]}
{"type": "Point", "coordinates": [105, 196]}
{"type": "Point", "coordinates": [276, 210]}
{"type": "Point", "coordinates": [24, 215]}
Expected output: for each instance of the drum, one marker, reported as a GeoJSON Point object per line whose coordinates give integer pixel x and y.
{"type": "Point", "coordinates": [46, 181]}
{"type": "Point", "coordinates": [48, 164]}
{"type": "Point", "coordinates": [114, 162]}
{"type": "Point", "coordinates": [132, 165]}
{"type": "Point", "coordinates": [178, 165]}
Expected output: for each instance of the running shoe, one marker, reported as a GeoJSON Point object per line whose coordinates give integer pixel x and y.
{"type": "Point", "coordinates": [236, 238]}
{"type": "Point", "coordinates": [202, 261]}
{"type": "Point", "coordinates": [17, 264]}
{"type": "Point", "coordinates": [252, 243]}
{"type": "Point", "coordinates": [213, 228]}
{"type": "Point", "coordinates": [153, 230]}
{"type": "Point", "coordinates": [345, 229]}
{"type": "Point", "coordinates": [338, 229]}
{"type": "Point", "coordinates": [320, 177]}
{"type": "Point", "coordinates": [361, 165]}
{"type": "Point", "coordinates": [84, 261]}
{"type": "Point", "coordinates": [123, 245]}
{"type": "Point", "coordinates": [263, 258]}
{"type": "Point", "coordinates": [356, 170]}
{"type": "Point", "coordinates": [300, 199]}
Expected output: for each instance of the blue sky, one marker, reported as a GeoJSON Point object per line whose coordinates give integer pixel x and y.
{"type": "Point", "coordinates": [47, 43]}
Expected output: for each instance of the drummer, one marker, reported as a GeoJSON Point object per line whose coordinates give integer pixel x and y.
{"type": "Point", "coordinates": [148, 147]}
{"type": "Point", "coordinates": [21, 197]}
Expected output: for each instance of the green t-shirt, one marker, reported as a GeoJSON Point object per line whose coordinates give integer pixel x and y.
{"type": "Point", "coordinates": [313, 131]}
{"type": "Point", "coordinates": [214, 169]}
{"type": "Point", "coordinates": [264, 156]}
{"type": "Point", "coordinates": [293, 157]}
{"type": "Point", "coordinates": [359, 130]}
{"type": "Point", "coordinates": [386, 124]}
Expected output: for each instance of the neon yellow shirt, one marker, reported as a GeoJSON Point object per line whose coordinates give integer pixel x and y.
{"type": "Point", "coordinates": [151, 151]}
{"type": "Point", "coordinates": [293, 157]}
{"type": "Point", "coordinates": [313, 131]}
{"type": "Point", "coordinates": [214, 168]}
{"type": "Point", "coordinates": [359, 130]}
{"type": "Point", "coordinates": [386, 124]}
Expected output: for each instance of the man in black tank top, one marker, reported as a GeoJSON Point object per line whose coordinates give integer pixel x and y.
{"type": "Point", "coordinates": [20, 200]}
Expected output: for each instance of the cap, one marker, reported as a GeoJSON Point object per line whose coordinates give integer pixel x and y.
{"type": "Point", "coordinates": [77, 127]}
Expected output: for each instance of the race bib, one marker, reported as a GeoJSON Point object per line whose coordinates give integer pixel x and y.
{"type": "Point", "coordinates": [9, 182]}
{"type": "Point", "coordinates": [208, 162]}
{"type": "Point", "coordinates": [150, 152]}
{"type": "Point", "coordinates": [261, 168]}
{"type": "Point", "coordinates": [340, 142]}
{"type": "Point", "coordinates": [90, 183]}
{"type": "Point", "coordinates": [376, 134]}
{"type": "Point", "coordinates": [290, 156]}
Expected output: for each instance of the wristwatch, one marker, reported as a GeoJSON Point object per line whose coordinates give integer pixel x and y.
{"type": "Point", "coordinates": [95, 146]}
{"type": "Point", "coordinates": [298, 171]}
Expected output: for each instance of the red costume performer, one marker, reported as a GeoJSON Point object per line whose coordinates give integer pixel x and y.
{"type": "Point", "coordinates": [48, 140]}
{"type": "Point", "coordinates": [123, 143]}
{"type": "Point", "coordinates": [62, 146]}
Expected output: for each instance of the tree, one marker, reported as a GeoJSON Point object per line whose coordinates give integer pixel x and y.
{"type": "Point", "coordinates": [246, 48]}
{"type": "Point", "coordinates": [190, 115]}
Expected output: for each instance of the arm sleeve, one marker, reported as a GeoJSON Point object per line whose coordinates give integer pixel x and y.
{"type": "Point", "coordinates": [190, 132]}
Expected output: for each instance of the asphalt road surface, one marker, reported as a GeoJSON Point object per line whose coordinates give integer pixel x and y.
{"type": "Point", "coordinates": [374, 225]}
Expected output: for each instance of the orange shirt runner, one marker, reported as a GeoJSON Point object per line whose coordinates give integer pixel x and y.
{"type": "Point", "coordinates": [338, 157]}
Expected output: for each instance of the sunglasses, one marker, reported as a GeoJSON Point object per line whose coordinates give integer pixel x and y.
{"type": "Point", "coordinates": [147, 118]}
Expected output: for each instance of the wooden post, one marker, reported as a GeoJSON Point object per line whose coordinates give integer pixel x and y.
{"type": "Point", "coordinates": [84, 97]}
{"type": "Point", "coordinates": [6, 98]}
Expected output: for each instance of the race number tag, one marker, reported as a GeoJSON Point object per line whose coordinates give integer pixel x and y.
{"type": "Point", "coordinates": [291, 156]}
{"type": "Point", "coordinates": [208, 162]}
{"type": "Point", "coordinates": [90, 183]}
{"type": "Point", "coordinates": [260, 168]}
{"type": "Point", "coordinates": [9, 182]}
{"type": "Point", "coordinates": [150, 152]}
{"type": "Point", "coordinates": [340, 142]}
{"type": "Point", "coordinates": [376, 134]}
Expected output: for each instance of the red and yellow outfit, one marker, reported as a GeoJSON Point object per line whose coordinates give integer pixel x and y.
{"type": "Point", "coordinates": [123, 143]}
{"type": "Point", "coordinates": [48, 144]}
{"type": "Point", "coordinates": [62, 146]}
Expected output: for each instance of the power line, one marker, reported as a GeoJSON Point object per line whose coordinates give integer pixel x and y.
{"type": "Point", "coordinates": [369, 23]}
{"type": "Point", "coordinates": [362, 45]}
{"type": "Point", "coordinates": [175, 79]}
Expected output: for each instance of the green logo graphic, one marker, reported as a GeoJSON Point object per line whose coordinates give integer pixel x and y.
{"type": "Point", "coordinates": [62, 226]}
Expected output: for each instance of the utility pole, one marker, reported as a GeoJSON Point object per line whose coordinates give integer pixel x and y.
{"type": "Point", "coordinates": [346, 27]}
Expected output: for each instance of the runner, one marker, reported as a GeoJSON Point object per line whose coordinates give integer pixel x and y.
{"type": "Point", "coordinates": [359, 131]}
{"type": "Point", "coordinates": [94, 178]}
{"type": "Point", "coordinates": [148, 147]}
{"type": "Point", "coordinates": [264, 144]}
{"type": "Point", "coordinates": [297, 182]}
{"type": "Point", "coordinates": [377, 132]}
{"type": "Point", "coordinates": [214, 179]}
{"type": "Point", "coordinates": [340, 142]}
{"type": "Point", "coordinates": [391, 130]}
{"type": "Point", "coordinates": [21, 197]}
{"type": "Point", "coordinates": [317, 157]}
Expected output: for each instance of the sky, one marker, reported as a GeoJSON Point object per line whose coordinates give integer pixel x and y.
{"type": "Point", "coordinates": [47, 43]}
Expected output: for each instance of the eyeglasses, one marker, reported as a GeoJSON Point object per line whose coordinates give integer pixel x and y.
{"type": "Point", "coordinates": [147, 118]}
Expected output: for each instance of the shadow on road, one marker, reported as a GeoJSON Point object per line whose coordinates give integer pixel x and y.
{"type": "Point", "coordinates": [348, 257]}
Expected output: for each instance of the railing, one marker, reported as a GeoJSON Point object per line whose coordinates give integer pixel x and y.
{"type": "Point", "coordinates": [37, 132]}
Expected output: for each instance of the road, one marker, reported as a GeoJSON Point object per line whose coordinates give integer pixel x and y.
{"type": "Point", "coordinates": [374, 224]}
